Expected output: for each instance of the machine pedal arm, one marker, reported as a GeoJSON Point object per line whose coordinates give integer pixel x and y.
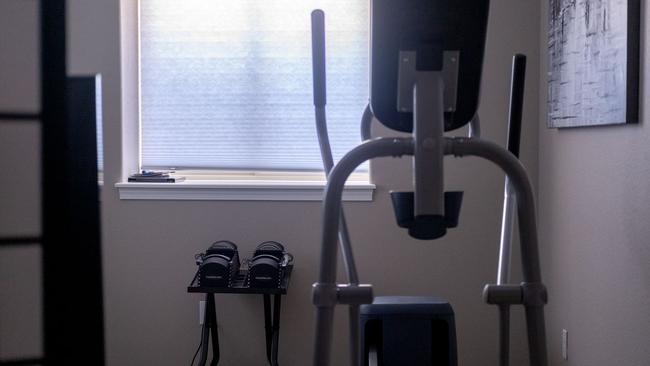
{"type": "Point", "coordinates": [526, 293]}
{"type": "Point", "coordinates": [329, 295]}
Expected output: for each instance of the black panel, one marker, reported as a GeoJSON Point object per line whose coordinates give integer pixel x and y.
{"type": "Point", "coordinates": [18, 116]}
{"type": "Point", "coordinates": [72, 283]}
{"type": "Point", "coordinates": [72, 275]}
{"type": "Point", "coordinates": [633, 60]}
{"type": "Point", "coordinates": [20, 240]}
{"type": "Point", "coordinates": [425, 24]}
{"type": "Point", "coordinates": [81, 246]}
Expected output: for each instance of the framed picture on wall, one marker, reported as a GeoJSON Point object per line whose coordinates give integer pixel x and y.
{"type": "Point", "coordinates": [593, 74]}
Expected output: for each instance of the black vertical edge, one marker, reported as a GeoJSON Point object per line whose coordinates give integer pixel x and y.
{"type": "Point", "coordinates": [19, 241]}
{"type": "Point", "coordinates": [318, 57]}
{"type": "Point", "coordinates": [633, 60]}
{"type": "Point", "coordinates": [72, 283]}
{"type": "Point", "coordinates": [84, 263]}
{"type": "Point", "coordinates": [54, 166]}
{"type": "Point", "coordinates": [19, 116]}
{"type": "Point", "coordinates": [517, 91]}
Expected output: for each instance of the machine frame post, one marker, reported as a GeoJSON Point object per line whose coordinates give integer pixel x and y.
{"type": "Point", "coordinates": [325, 291]}
{"type": "Point", "coordinates": [428, 130]}
{"type": "Point", "coordinates": [533, 291]}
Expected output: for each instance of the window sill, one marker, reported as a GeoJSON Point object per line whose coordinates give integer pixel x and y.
{"type": "Point", "coordinates": [229, 190]}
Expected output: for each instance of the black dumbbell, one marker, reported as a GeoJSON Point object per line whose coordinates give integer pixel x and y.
{"type": "Point", "coordinates": [267, 265]}
{"type": "Point", "coordinates": [218, 265]}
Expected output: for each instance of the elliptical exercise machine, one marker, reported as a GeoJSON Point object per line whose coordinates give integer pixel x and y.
{"type": "Point", "coordinates": [426, 63]}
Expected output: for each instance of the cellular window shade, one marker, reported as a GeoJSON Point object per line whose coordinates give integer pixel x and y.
{"type": "Point", "coordinates": [99, 126]}
{"type": "Point", "coordinates": [228, 84]}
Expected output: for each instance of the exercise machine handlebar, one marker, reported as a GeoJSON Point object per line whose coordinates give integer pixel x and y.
{"type": "Point", "coordinates": [427, 145]}
{"type": "Point", "coordinates": [509, 200]}
{"type": "Point", "coordinates": [516, 103]}
{"type": "Point", "coordinates": [318, 58]}
{"type": "Point", "coordinates": [325, 291]}
{"type": "Point", "coordinates": [320, 102]}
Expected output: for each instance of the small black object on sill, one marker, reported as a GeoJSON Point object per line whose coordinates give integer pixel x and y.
{"type": "Point", "coordinates": [151, 176]}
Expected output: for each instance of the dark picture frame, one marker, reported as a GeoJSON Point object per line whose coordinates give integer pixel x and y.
{"type": "Point", "coordinates": [594, 62]}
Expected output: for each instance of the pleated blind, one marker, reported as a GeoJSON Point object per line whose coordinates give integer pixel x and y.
{"type": "Point", "coordinates": [99, 126]}
{"type": "Point", "coordinates": [228, 84]}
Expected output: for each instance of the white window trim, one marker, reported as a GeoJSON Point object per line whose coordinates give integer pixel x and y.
{"type": "Point", "coordinates": [219, 190]}
{"type": "Point", "coordinates": [213, 185]}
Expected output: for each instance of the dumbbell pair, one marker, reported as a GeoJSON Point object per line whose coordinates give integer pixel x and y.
{"type": "Point", "coordinates": [219, 265]}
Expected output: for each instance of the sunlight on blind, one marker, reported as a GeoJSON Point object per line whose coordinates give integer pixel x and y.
{"type": "Point", "coordinates": [99, 126]}
{"type": "Point", "coordinates": [228, 84]}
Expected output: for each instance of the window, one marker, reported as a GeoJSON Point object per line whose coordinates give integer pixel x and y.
{"type": "Point", "coordinates": [100, 135]}
{"type": "Point", "coordinates": [227, 85]}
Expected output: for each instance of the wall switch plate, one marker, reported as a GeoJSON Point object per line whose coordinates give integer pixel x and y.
{"type": "Point", "coordinates": [201, 312]}
{"type": "Point", "coordinates": [565, 344]}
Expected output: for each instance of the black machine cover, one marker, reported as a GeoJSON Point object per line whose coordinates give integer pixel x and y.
{"type": "Point", "coordinates": [409, 25]}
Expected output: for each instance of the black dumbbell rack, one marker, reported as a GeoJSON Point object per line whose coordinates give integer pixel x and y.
{"type": "Point", "coordinates": [238, 286]}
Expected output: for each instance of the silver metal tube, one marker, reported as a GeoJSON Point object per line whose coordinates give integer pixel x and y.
{"type": "Point", "coordinates": [344, 235]}
{"type": "Point", "coordinates": [323, 139]}
{"type": "Point", "coordinates": [458, 147]}
{"type": "Point", "coordinates": [370, 149]}
{"type": "Point", "coordinates": [428, 130]}
{"type": "Point", "coordinates": [366, 124]}
{"type": "Point", "coordinates": [328, 164]}
{"type": "Point", "coordinates": [324, 327]}
{"type": "Point", "coordinates": [461, 146]}
{"type": "Point", "coordinates": [503, 273]}
{"type": "Point", "coordinates": [504, 335]}
{"type": "Point", "coordinates": [475, 126]}
{"type": "Point", "coordinates": [353, 315]}
{"type": "Point", "coordinates": [373, 357]}
{"type": "Point", "coordinates": [536, 335]}
{"type": "Point", "coordinates": [507, 230]}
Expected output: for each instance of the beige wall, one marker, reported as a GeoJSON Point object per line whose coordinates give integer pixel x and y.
{"type": "Point", "coordinates": [20, 318]}
{"type": "Point", "coordinates": [149, 246]}
{"type": "Point", "coordinates": [594, 195]}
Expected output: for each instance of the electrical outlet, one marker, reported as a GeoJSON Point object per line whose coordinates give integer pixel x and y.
{"type": "Point", "coordinates": [565, 344]}
{"type": "Point", "coordinates": [201, 312]}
